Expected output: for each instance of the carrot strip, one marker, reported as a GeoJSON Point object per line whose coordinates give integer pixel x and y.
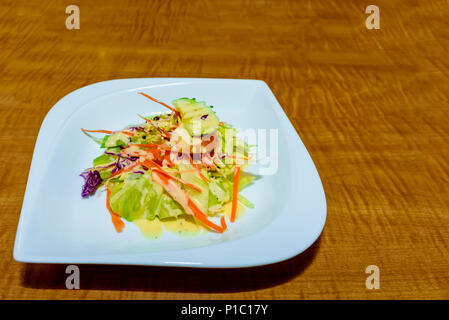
{"type": "Point", "coordinates": [202, 217]}
{"type": "Point", "coordinates": [142, 117]}
{"type": "Point", "coordinates": [235, 192]}
{"type": "Point", "coordinates": [193, 209]}
{"type": "Point", "coordinates": [107, 131]}
{"type": "Point", "coordinates": [99, 131]}
{"type": "Point", "coordinates": [162, 131]}
{"type": "Point", "coordinates": [143, 152]}
{"type": "Point", "coordinates": [202, 176]}
{"type": "Point", "coordinates": [167, 159]}
{"type": "Point", "coordinates": [198, 170]}
{"type": "Point", "coordinates": [151, 164]}
{"type": "Point", "coordinates": [179, 180]}
{"type": "Point", "coordinates": [143, 145]}
{"type": "Point", "coordinates": [160, 102]}
{"type": "Point", "coordinates": [116, 221]}
{"type": "Point", "coordinates": [223, 223]}
{"type": "Point", "coordinates": [125, 169]}
{"type": "Point", "coordinates": [164, 179]}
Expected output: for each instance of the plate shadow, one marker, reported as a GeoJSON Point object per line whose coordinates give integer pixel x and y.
{"type": "Point", "coordinates": [171, 279]}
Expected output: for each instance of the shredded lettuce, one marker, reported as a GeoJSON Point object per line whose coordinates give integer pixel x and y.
{"type": "Point", "coordinates": [136, 191]}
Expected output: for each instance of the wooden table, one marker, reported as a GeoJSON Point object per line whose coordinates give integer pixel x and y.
{"type": "Point", "coordinates": [370, 105]}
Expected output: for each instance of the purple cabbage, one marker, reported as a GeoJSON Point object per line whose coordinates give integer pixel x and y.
{"type": "Point", "coordinates": [92, 180]}
{"type": "Point", "coordinates": [99, 167]}
{"type": "Point", "coordinates": [137, 129]}
{"type": "Point", "coordinates": [123, 162]}
{"type": "Point", "coordinates": [113, 154]}
{"type": "Point", "coordinates": [118, 166]}
{"type": "Point", "coordinates": [105, 167]}
{"type": "Point", "coordinates": [121, 156]}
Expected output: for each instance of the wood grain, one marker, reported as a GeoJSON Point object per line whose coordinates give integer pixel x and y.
{"type": "Point", "coordinates": [370, 105]}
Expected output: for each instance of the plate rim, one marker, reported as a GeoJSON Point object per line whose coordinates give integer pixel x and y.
{"type": "Point", "coordinates": [98, 89]}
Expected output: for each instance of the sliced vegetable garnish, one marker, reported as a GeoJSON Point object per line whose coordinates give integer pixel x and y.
{"type": "Point", "coordinates": [178, 180]}
{"type": "Point", "coordinates": [98, 131]}
{"type": "Point", "coordinates": [198, 170]}
{"type": "Point", "coordinates": [144, 145]}
{"type": "Point", "coordinates": [167, 167]}
{"type": "Point", "coordinates": [235, 192]}
{"type": "Point", "coordinates": [164, 133]}
{"type": "Point", "coordinates": [116, 221]}
{"type": "Point", "coordinates": [223, 223]}
{"type": "Point", "coordinates": [97, 140]}
{"type": "Point", "coordinates": [202, 217]}
{"type": "Point", "coordinates": [161, 103]}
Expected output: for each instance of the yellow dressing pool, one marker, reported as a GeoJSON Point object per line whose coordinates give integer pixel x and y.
{"type": "Point", "coordinates": [184, 226]}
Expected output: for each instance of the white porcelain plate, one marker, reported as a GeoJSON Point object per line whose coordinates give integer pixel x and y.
{"type": "Point", "coordinates": [58, 226]}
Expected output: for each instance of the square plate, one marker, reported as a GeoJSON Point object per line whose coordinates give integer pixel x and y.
{"type": "Point", "coordinates": [58, 226]}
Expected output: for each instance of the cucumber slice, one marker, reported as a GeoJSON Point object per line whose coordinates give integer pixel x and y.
{"type": "Point", "coordinates": [197, 117]}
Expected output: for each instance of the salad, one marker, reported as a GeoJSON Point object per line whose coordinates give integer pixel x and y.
{"type": "Point", "coordinates": [185, 162]}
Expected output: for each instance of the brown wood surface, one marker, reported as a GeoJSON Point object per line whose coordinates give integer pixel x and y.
{"type": "Point", "coordinates": [370, 105]}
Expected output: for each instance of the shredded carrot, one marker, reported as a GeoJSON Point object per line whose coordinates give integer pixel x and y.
{"type": "Point", "coordinates": [107, 132]}
{"type": "Point", "coordinates": [202, 176]}
{"type": "Point", "coordinates": [144, 145]}
{"type": "Point", "coordinates": [202, 217]}
{"type": "Point", "coordinates": [99, 131]}
{"type": "Point", "coordinates": [235, 191]}
{"type": "Point", "coordinates": [197, 213]}
{"type": "Point", "coordinates": [125, 169]}
{"type": "Point", "coordinates": [168, 159]}
{"type": "Point", "coordinates": [162, 131]}
{"type": "Point", "coordinates": [151, 164]}
{"type": "Point", "coordinates": [198, 170]}
{"type": "Point", "coordinates": [144, 152]}
{"type": "Point", "coordinates": [143, 117]}
{"type": "Point", "coordinates": [160, 102]}
{"type": "Point", "coordinates": [178, 180]}
{"type": "Point", "coordinates": [163, 177]}
{"type": "Point", "coordinates": [116, 221]}
{"type": "Point", "coordinates": [223, 223]}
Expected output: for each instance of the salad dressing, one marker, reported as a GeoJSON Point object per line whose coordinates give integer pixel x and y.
{"type": "Point", "coordinates": [151, 229]}
{"type": "Point", "coordinates": [184, 226]}
{"type": "Point", "coordinates": [239, 213]}
{"type": "Point", "coordinates": [147, 185]}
